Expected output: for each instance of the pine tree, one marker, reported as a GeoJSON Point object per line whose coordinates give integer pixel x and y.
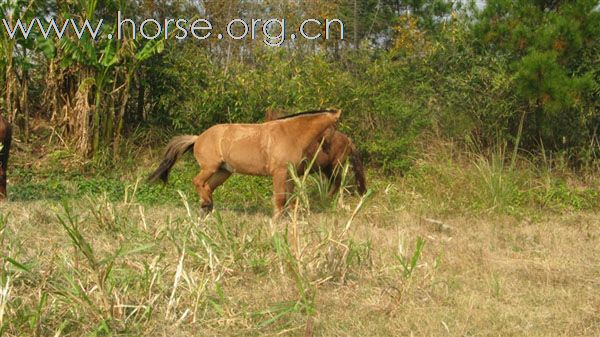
{"type": "Point", "coordinates": [554, 51]}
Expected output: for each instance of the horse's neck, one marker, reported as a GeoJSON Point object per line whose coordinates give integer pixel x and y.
{"type": "Point", "coordinates": [306, 129]}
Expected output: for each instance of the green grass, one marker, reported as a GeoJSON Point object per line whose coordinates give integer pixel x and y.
{"type": "Point", "coordinates": [457, 182]}
{"type": "Point", "coordinates": [449, 180]}
{"type": "Point", "coordinates": [240, 193]}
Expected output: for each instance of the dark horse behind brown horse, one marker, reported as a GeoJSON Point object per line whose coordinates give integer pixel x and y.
{"type": "Point", "coordinates": [336, 149]}
{"type": "Point", "coordinates": [5, 139]}
{"type": "Point", "coordinates": [253, 149]}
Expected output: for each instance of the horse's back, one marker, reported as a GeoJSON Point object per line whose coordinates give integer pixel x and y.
{"type": "Point", "coordinates": [240, 148]}
{"type": "Point", "coordinates": [258, 149]}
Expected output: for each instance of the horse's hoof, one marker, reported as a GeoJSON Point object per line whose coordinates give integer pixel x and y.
{"type": "Point", "coordinates": [278, 215]}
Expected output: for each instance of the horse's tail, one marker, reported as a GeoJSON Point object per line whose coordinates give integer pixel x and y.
{"type": "Point", "coordinates": [359, 171]}
{"type": "Point", "coordinates": [175, 149]}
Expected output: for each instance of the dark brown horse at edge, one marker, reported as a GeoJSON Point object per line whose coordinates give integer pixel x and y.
{"type": "Point", "coordinates": [264, 149]}
{"type": "Point", "coordinates": [336, 149]}
{"type": "Point", "coordinates": [5, 139]}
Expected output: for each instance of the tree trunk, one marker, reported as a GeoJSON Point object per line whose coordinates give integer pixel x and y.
{"type": "Point", "coordinates": [96, 123]}
{"type": "Point", "coordinates": [140, 97]}
{"type": "Point", "coordinates": [10, 83]}
{"type": "Point", "coordinates": [24, 107]}
{"type": "Point", "coordinates": [120, 120]}
{"type": "Point", "coordinates": [356, 24]}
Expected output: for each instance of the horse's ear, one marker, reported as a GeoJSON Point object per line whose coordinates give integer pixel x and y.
{"type": "Point", "coordinates": [338, 113]}
{"type": "Point", "coordinates": [271, 115]}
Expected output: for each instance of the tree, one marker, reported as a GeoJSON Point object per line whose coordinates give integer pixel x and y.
{"type": "Point", "coordinates": [553, 48]}
{"type": "Point", "coordinates": [90, 78]}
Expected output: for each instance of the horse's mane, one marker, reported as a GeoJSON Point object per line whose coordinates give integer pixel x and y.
{"type": "Point", "coordinates": [310, 112]}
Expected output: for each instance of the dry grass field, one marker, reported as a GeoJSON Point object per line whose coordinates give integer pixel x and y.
{"type": "Point", "coordinates": [391, 265]}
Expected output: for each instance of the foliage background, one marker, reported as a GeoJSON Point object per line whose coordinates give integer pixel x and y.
{"type": "Point", "coordinates": [523, 73]}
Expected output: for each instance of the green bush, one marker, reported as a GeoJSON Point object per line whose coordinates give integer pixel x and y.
{"type": "Point", "coordinates": [381, 118]}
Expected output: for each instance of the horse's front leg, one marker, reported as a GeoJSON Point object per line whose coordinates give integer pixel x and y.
{"type": "Point", "coordinates": [335, 181]}
{"type": "Point", "coordinates": [335, 172]}
{"type": "Point", "coordinates": [280, 189]}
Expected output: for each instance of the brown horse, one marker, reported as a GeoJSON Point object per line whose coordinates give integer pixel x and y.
{"type": "Point", "coordinates": [253, 149]}
{"type": "Point", "coordinates": [336, 148]}
{"type": "Point", "coordinates": [5, 139]}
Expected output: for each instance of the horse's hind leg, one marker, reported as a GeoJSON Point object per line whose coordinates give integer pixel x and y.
{"type": "Point", "coordinates": [206, 185]}
{"type": "Point", "coordinates": [203, 189]}
{"type": "Point", "coordinates": [216, 180]}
